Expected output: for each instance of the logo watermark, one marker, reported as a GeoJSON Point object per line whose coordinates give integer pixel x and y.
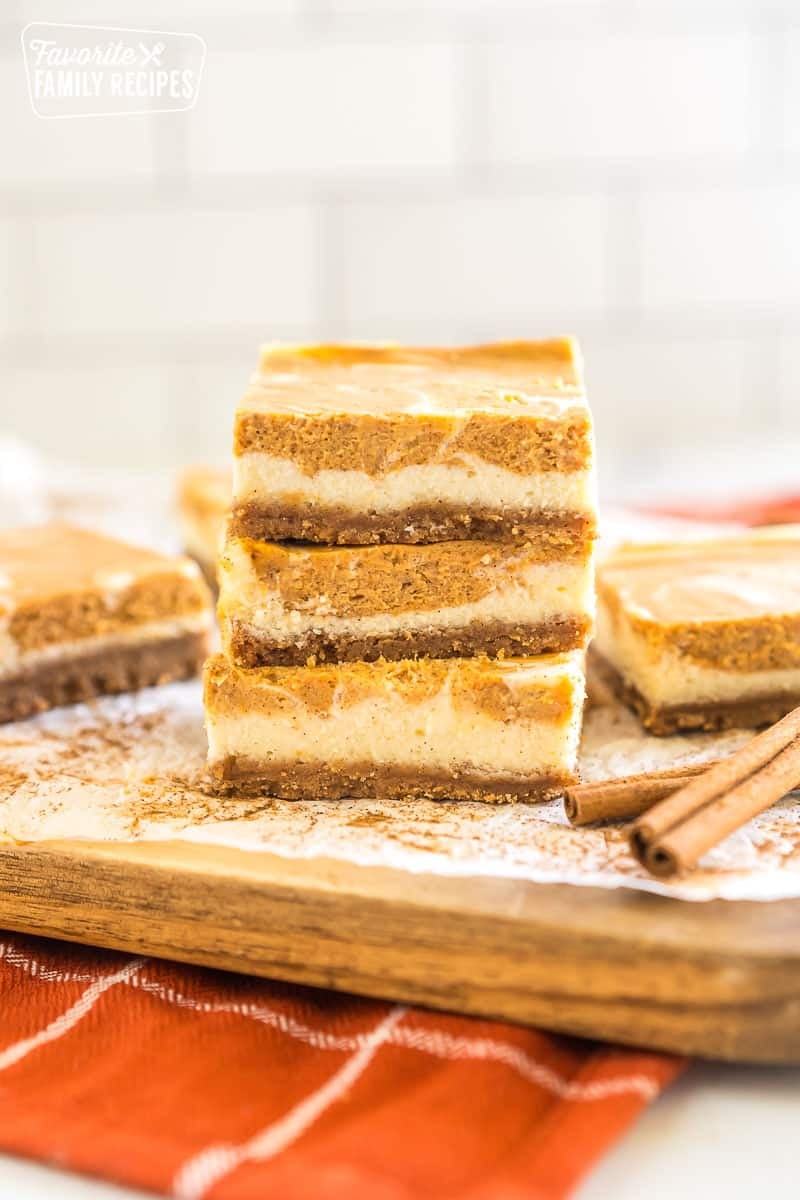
{"type": "Point", "coordinates": [94, 70]}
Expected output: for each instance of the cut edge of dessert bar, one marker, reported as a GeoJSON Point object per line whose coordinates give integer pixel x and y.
{"type": "Point", "coordinates": [664, 720]}
{"type": "Point", "coordinates": [362, 443]}
{"type": "Point", "coordinates": [702, 635]}
{"type": "Point", "coordinates": [465, 729]}
{"type": "Point", "coordinates": [203, 500]}
{"type": "Point", "coordinates": [84, 615]}
{"type": "Point", "coordinates": [289, 605]}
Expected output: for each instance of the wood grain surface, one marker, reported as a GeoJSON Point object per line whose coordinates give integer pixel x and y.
{"type": "Point", "coordinates": [718, 979]}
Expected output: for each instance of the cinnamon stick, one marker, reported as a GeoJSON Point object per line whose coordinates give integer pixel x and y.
{"type": "Point", "coordinates": [627, 797]}
{"type": "Point", "coordinates": [676, 832]}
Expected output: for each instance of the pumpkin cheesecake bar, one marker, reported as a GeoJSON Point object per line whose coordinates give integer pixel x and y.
{"type": "Point", "coordinates": [288, 605]}
{"type": "Point", "coordinates": [204, 501]}
{"type": "Point", "coordinates": [374, 443]}
{"type": "Point", "coordinates": [473, 729]}
{"type": "Point", "coordinates": [703, 635]}
{"type": "Point", "coordinates": [82, 615]}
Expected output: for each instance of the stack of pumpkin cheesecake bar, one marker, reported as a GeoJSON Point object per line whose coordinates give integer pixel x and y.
{"type": "Point", "coordinates": [406, 586]}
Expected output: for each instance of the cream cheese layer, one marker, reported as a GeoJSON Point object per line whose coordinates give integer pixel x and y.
{"type": "Point", "coordinates": [666, 678]}
{"type": "Point", "coordinates": [390, 728]}
{"type": "Point", "coordinates": [474, 483]}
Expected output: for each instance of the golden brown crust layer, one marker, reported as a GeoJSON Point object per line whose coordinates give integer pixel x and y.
{"type": "Point", "coordinates": [557, 534]}
{"type": "Point", "coordinates": [104, 672]}
{"type": "Point", "coordinates": [680, 718]}
{"type": "Point", "coordinates": [491, 688]}
{"type": "Point", "coordinates": [306, 781]}
{"type": "Point", "coordinates": [251, 648]}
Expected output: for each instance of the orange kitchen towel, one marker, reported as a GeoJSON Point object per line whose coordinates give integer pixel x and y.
{"type": "Point", "coordinates": [198, 1083]}
{"type": "Point", "coordinates": [770, 510]}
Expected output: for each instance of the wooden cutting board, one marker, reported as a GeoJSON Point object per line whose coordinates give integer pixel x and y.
{"type": "Point", "coordinates": [719, 979]}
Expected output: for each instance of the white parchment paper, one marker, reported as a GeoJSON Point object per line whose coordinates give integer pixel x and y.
{"type": "Point", "coordinates": [133, 767]}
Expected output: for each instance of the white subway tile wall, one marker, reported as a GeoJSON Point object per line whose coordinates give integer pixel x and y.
{"type": "Point", "coordinates": [601, 98]}
{"type": "Point", "coordinates": [787, 375]}
{"type": "Point", "coordinates": [501, 263]}
{"type": "Point", "coordinates": [660, 393]}
{"type": "Point", "coordinates": [722, 250]}
{"type": "Point", "coordinates": [181, 269]}
{"type": "Point", "coordinates": [447, 170]}
{"type": "Point", "coordinates": [41, 153]}
{"type": "Point", "coordinates": [110, 413]}
{"type": "Point", "coordinates": [7, 239]}
{"type": "Point", "coordinates": [790, 116]}
{"type": "Point", "coordinates": [327, 110]}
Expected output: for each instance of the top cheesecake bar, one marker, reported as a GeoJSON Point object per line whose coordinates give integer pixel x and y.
{"type": "Point", "coordinates": [703, 635]}
{"type": "Point", "coordinates": [362, 444]}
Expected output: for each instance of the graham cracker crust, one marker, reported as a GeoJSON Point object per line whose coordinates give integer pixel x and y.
{"type": "Point", "coordinates": [248, 648]}
{"type": "Point", "coordinates": [105, 672]}
{"type": "Point", "coordinates": [683, 718]}
{"type": "Point", "coordinates": [371, 781]}
{"type": "Point", "coordinates": [557, 531]}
